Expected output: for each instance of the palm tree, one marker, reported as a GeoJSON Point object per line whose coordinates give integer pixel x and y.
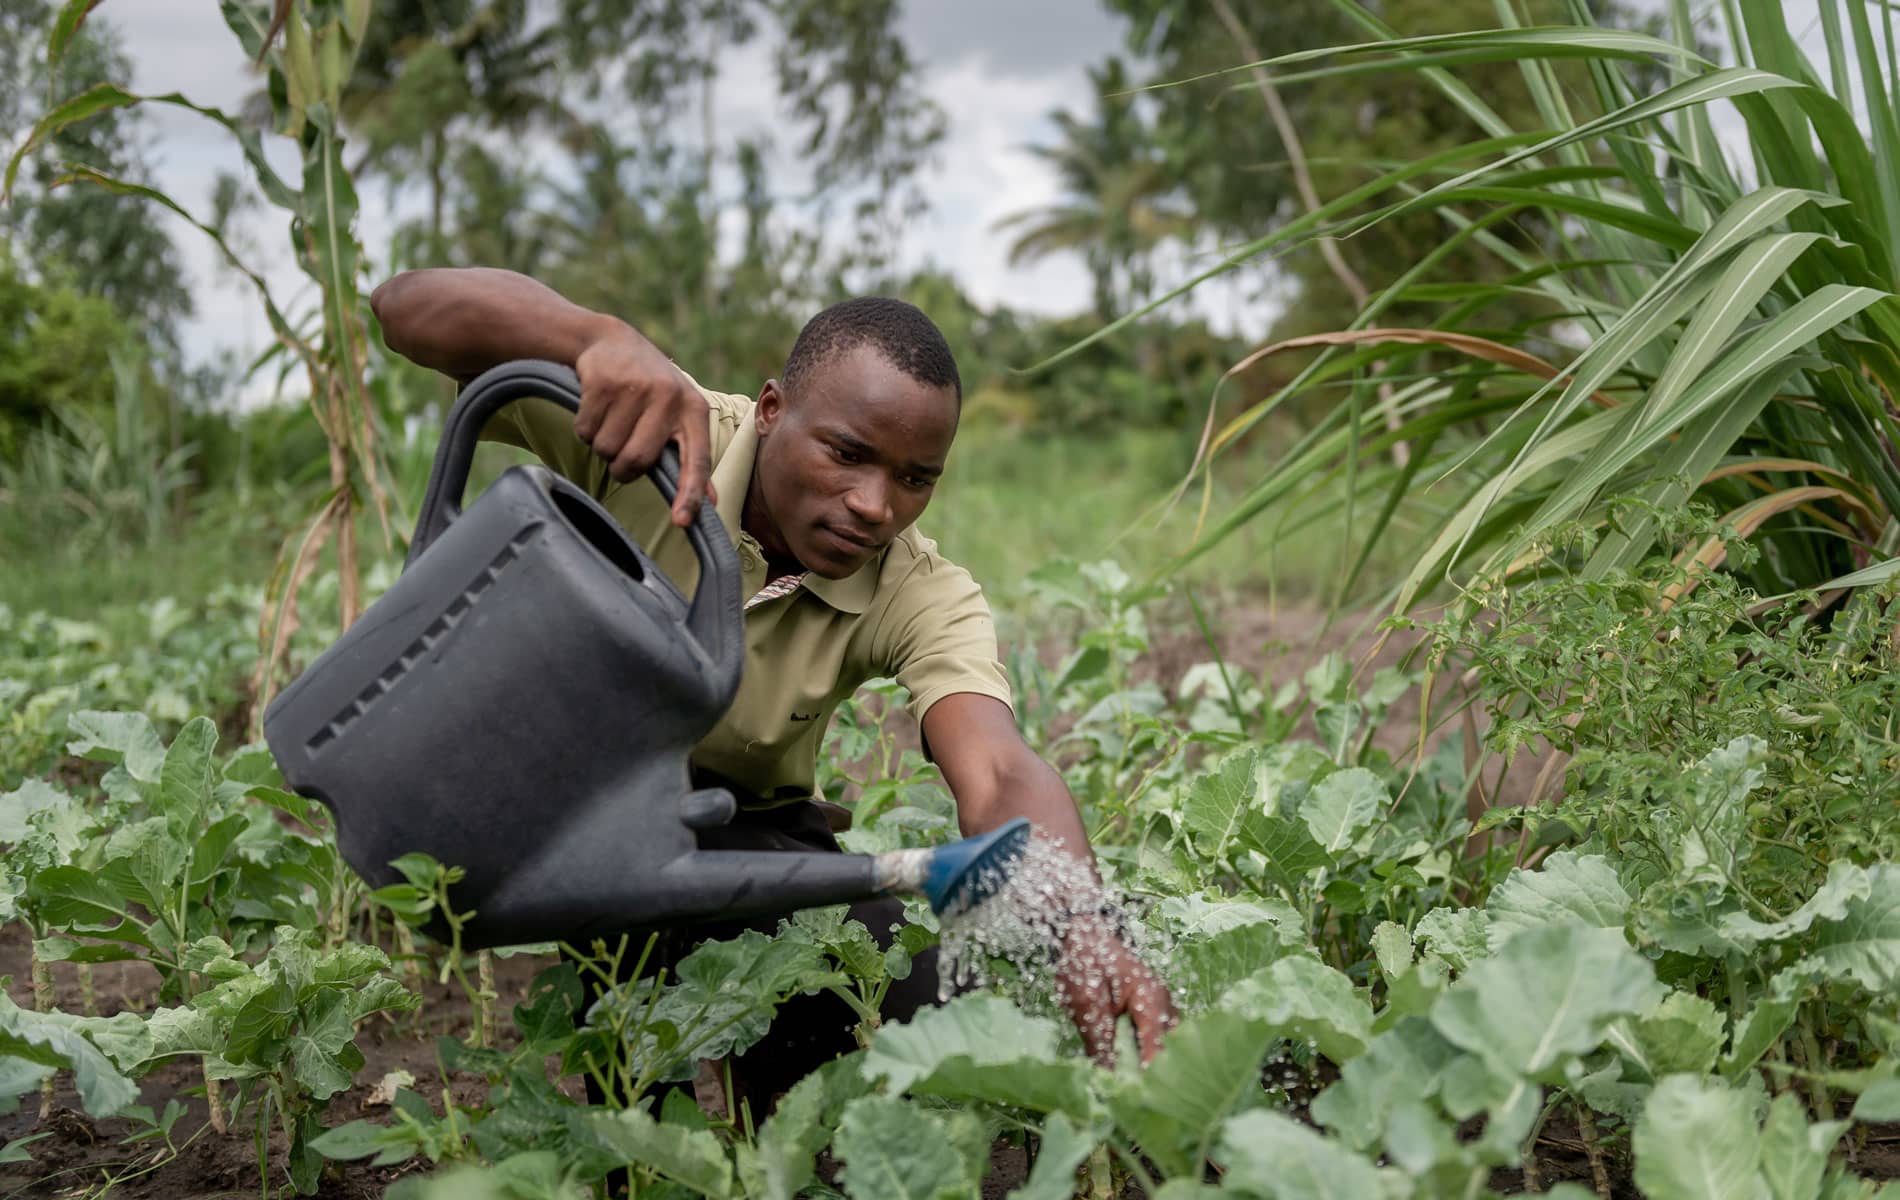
{"type": "Point", "coordinates": [1122, 203]}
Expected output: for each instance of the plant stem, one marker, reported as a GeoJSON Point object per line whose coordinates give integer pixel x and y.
{"type": "Point", "coordinates": [1593, 1150]}
{"type": "Point", "coordinates": [406, 946]}
{"type": "Point", "coordinates": [485, 997]}
{"type": "Point", "coordinates": [212, 1104]}
{"type": "Point", "coordinates": [88, 1002]}
{"type": "Point", "coordinates": [43, 1002]}
{"type": "Point", "coordinates": [1818, 1092]}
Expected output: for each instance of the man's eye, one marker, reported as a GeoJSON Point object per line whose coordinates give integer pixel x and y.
{"type": "Point", "coordinates": [844, 455]}
{"type": "Point", "coordinates": [919, 482]}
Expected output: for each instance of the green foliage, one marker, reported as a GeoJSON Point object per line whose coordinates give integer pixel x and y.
{"type": "Point", "coordinates": [52, 339]}
{"type": "Point", "coordinates": [1736, 318]}
{"type": "Point", "coordinates": [1309, 893]}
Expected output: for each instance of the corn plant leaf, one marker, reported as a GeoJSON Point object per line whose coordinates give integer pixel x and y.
{"type": "Point", "coordinates": [1545, 995]}
{"type": "Point", "coordinates": [693, 1157]}
{"type": "Point", "coordinates": [894, 1150]}
{"type": "Point", "coordinates": [1303, 999]}
{"type": "Point", "coordinates": [66, 25]}
{"type": "Point", "coordinates": [1270, 1154]}
{"type": "Point", "coordinates": [89, 103]}
{"type": "Point", "coordinates": [1569, 887]}
{"type": "Point", "coordinates": [1696, 1140]}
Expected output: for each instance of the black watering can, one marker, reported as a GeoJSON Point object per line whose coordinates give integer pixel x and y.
{"type": "Point", "coordinates": [522, 704]}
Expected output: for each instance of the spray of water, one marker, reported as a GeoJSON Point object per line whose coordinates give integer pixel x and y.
{"type": "Point", "coordinates": [1041, 921]}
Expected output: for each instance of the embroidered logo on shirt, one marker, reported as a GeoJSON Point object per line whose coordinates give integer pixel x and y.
{"type": "Point", "coordinates": [799, 716]}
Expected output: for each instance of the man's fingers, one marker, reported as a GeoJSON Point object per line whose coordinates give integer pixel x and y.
{"type": "Point", "coordinates": [642, 450]}
{"type": "Point", "coordinates": [1152, 1010]}
{"type": "Point", "coordinates": [614, 425]}
{"type": "Point", "coordinates": [695, 463]}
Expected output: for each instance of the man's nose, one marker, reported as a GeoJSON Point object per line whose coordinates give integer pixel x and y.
{"type": "Point", "coordinates": [870, 500]}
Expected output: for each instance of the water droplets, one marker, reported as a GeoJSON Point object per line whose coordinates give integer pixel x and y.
{"type": "Point", "coordinates": [1052, 937]}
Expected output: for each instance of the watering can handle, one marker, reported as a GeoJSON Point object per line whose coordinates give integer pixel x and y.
{"type": "Point", "coordinates": [715, 614]}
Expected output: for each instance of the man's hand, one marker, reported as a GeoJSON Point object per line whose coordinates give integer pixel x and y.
{"type": "Point", "coordinates": [463, 320]}
{"type": "Point", "coordinates": [633, 402]}
{"type": "Point", "coordinates": [1099, 979]}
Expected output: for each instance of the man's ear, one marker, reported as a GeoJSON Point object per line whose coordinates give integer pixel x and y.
{"type": "Point", "coordinates": [771, 406]}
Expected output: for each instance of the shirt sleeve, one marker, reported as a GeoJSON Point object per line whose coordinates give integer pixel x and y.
{"type": "Point", "coordinates": [937, 637]}
{"type": "Point", "coordinates": [546, 430]}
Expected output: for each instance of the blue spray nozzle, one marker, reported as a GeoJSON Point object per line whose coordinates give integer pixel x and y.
{"type": "Point", "coordinates": [963, 874]}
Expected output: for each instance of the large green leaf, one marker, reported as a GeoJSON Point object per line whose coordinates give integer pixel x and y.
{"type": "Point", "coordinates": [119, 737]}
{"type": "Point", "coordinates": [1341, 807]}
{"type": "Point", "coordinates": [1697, 1140]}
{"type": "Point", "coordinates": [1207, 1067]}
{"type": "Point", "coordinates": [187, 777]}
{"type": "Point", "coordinates": [1864, 942]}
{"type": "Point", "coordinates": [781, 1160]}
{"type": "Point", "coordinates": [1221, 803]}
{"type": "Point", "coordinates": [1404, 1063]}
{"type": "Point", "coordinates": [76, 899]}
{"type": "Point", "coordinates": [18, 805]}
{"type": "Point", "coordinates": [894, 1150]}
{"type": "Point", "coordinates": [1544, 996]}
{"type": "Point", "coordinates": [1569, 888]}
{"type": "Point", "coordinates": [45, 1041]}
{"type": "Point", "coordinates": [1271, 1155]}
{"type": "Point", "coordinates": [980, 1047]}
{"type": "Point", "coordinates": [1794, 1154]}
{"type": "Point", "coordinates": [693, 1157]}
{"type": "Point", "coordinates": [1065, 1146]}
{"type": "Point", "coordinates": [1460, 936]}
{"type": "Point", "coordinates": [1303, 999]}
{"type": "Point", "coordinates": [1203, 969]}
{"type": "Point", "coordinates": [1846, 882]}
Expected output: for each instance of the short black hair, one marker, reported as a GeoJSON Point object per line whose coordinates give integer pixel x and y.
{"type": "Point", "coordinates": [908, 340]}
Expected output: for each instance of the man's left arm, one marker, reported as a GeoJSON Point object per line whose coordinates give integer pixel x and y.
{"type": "Point", "coordinates": [995, 778]}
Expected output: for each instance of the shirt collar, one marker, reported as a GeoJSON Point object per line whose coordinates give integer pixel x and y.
{"type": "Point", "coordinates": [732, 478]}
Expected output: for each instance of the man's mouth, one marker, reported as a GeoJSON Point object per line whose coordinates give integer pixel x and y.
{"type": "Point", "coordinates": [849, 543]}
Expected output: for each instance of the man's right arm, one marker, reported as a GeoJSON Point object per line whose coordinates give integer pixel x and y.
{"type": "Point", "coordinates": [462, 321]}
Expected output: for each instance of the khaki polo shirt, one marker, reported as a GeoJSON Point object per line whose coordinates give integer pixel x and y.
{"type": "Point", "coordinates": [909, 614]}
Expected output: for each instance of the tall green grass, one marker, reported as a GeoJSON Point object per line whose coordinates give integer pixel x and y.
{"type": "Point", "coordinates": [1741, 339]}
{"type": "Point", "coordinates": [1011, 502]}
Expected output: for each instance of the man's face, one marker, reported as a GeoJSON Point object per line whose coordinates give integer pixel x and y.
{"type": "Point", "coordinates": [850, 461]}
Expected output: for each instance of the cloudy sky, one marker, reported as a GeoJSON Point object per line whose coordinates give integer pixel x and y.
{"type": "Point", "coordinates": [996, 67]}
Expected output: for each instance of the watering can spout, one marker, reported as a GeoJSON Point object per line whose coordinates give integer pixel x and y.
{"type": "Point", "coordinates": [706, 885]}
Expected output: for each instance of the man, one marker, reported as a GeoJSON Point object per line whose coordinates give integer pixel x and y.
{"type": "Point", "coordinates": [819, 482]}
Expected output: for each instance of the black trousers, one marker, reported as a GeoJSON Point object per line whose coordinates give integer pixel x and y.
{"type": "Point", "coordinates": [809, 1030]}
